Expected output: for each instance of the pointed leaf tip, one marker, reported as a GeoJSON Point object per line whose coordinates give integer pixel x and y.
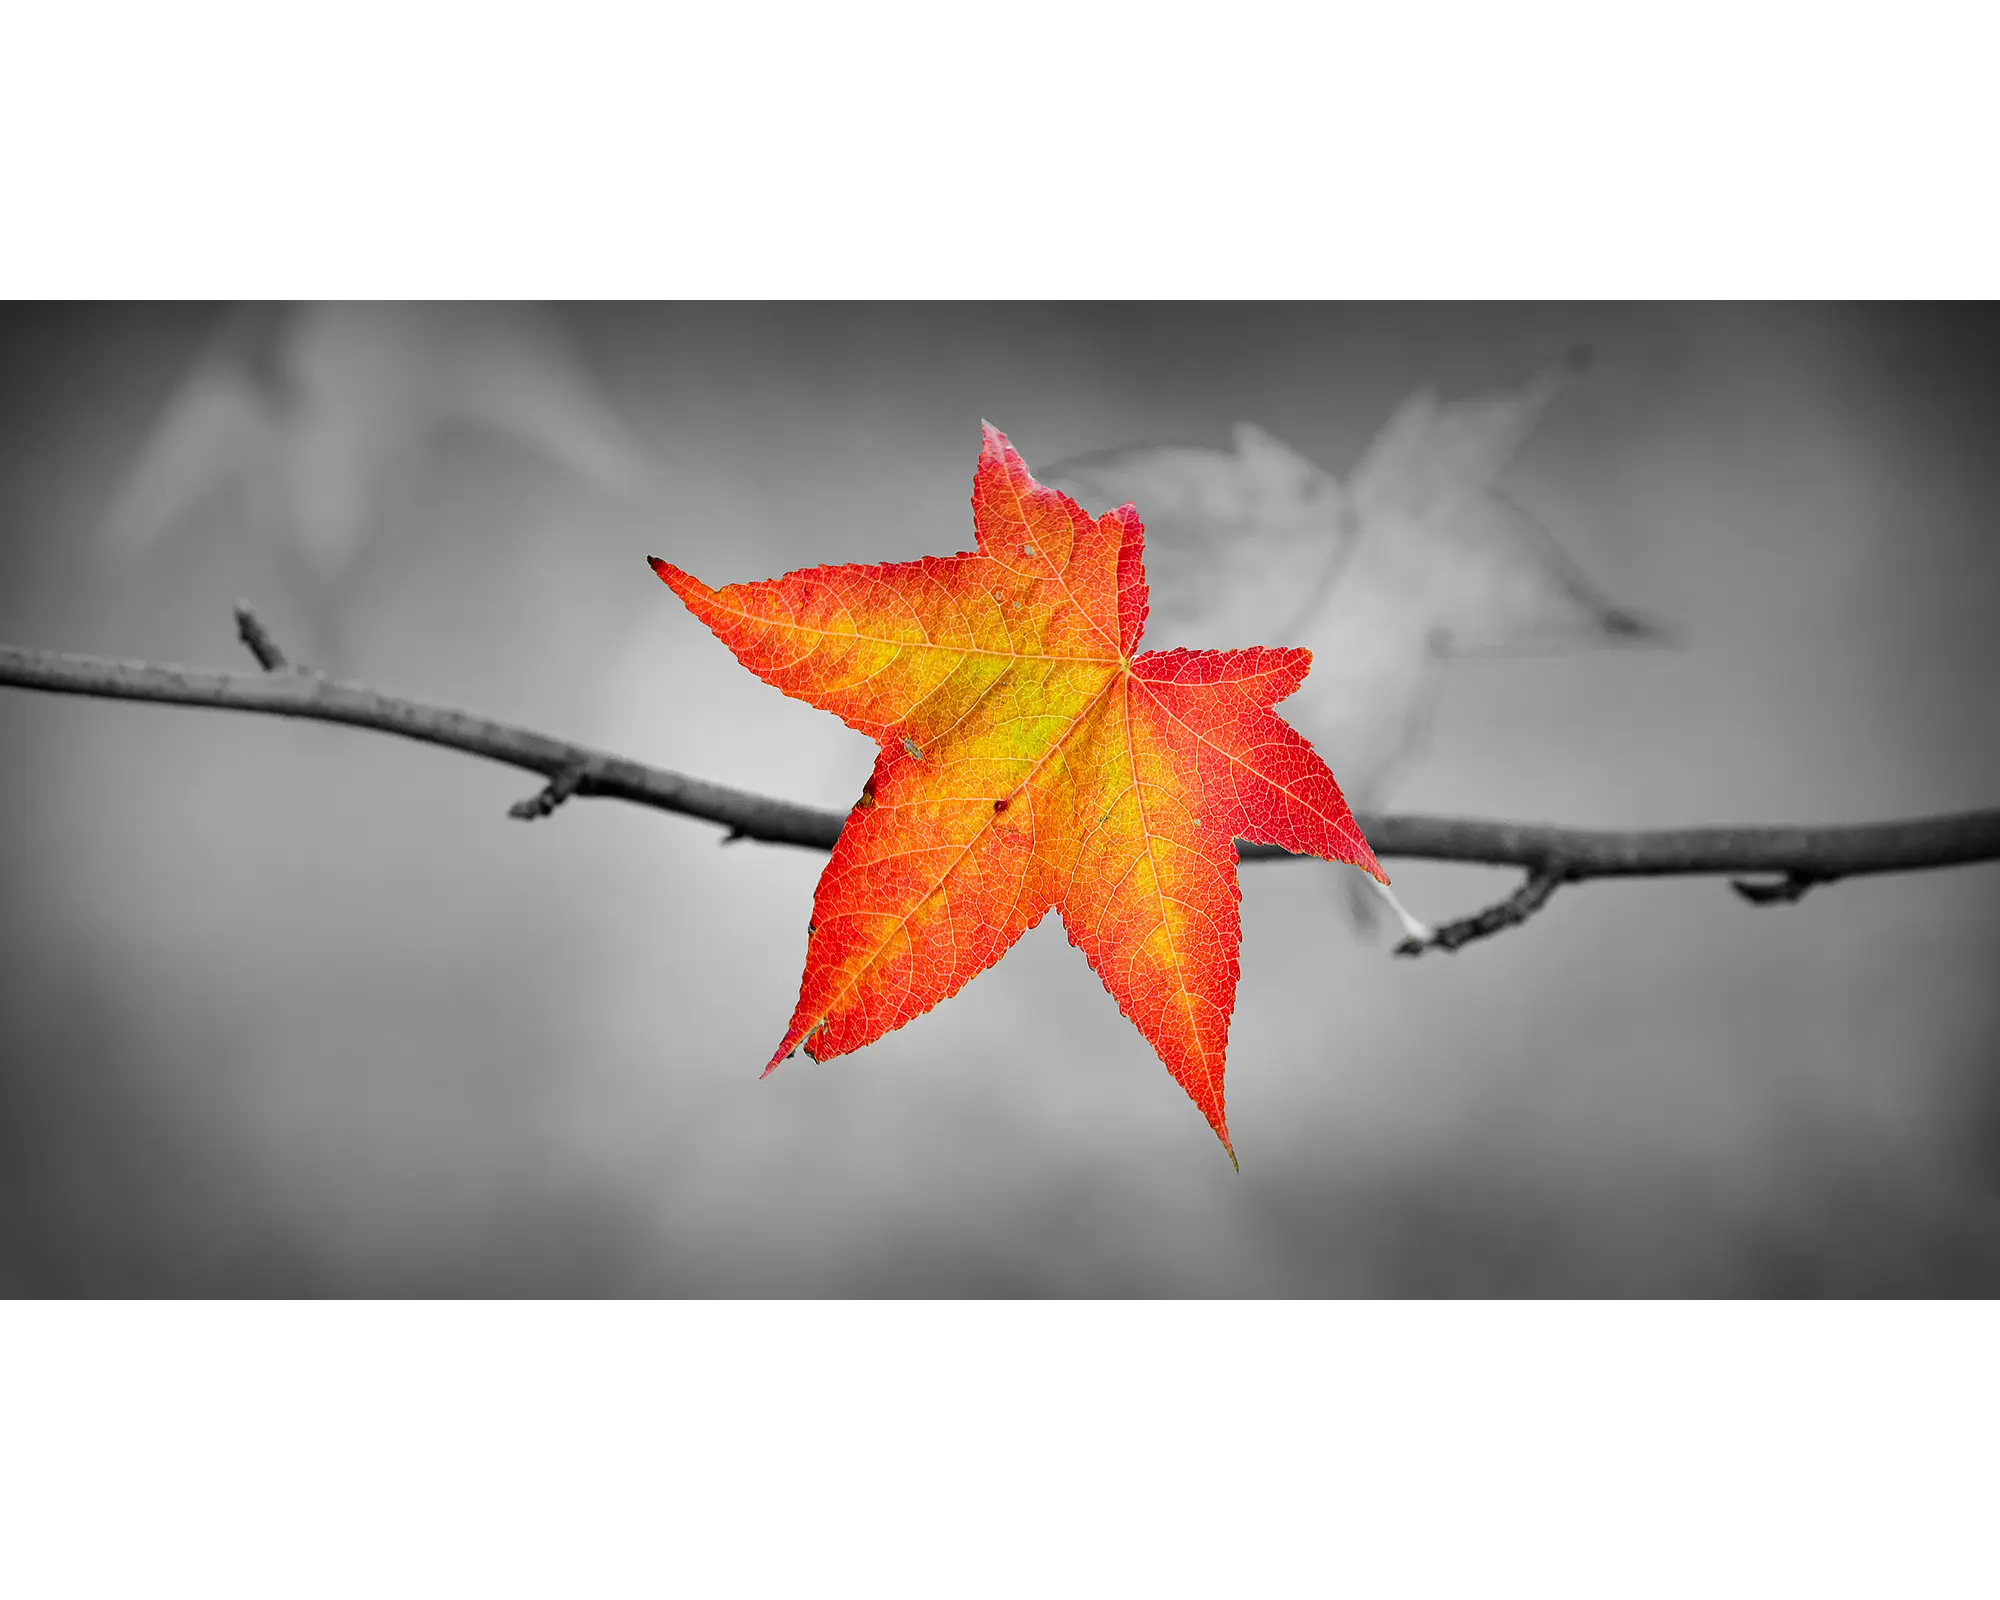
{"type": "Point", "coordinates": [994, 443]}
{"type": "Point", "coordinates": [692, 591]}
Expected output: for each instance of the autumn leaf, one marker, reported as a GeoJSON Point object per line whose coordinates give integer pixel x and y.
{"type": "Point", "coordinates": [1031, 759]}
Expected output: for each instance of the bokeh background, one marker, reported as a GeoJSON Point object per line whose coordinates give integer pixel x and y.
{"type": "Point", "coordinates": [291, 1009]}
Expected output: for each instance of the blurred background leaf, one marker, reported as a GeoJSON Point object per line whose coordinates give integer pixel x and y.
{"type": "Point", "coordinates": [311, 415]}
{"type": "Point", "coordinates": [1418, 558]}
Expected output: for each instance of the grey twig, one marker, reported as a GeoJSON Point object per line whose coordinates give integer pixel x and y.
{"type": "Point", "coordinates": [558, 789]}
{"type": "Point", "coordinates": [1523, 903]}
{"type": "Point", "coordinates": [1787, 891]}
{"type": "Point", "coordinates": [251, 630]}
{"type": "Point", "coordinates": [1800, 856]}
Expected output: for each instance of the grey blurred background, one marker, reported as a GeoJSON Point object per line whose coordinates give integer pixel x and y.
{"type": "Point", "coordinates": [291, 1009]}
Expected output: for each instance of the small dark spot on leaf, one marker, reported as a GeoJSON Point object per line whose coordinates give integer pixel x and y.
{"type": "Point", "coordinates": [867, 795]}
{"type": "Point", "coordinates": [999, 805]}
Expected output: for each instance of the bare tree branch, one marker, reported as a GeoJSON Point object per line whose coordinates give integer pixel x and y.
{"type": "Point", "coordinates": [321, 699]}
{"type": "Point", "coordinates": [1799, 856]}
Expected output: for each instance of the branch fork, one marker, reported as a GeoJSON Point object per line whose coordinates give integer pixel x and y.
{"type": "Point", "coordinates": [565, 783]}
{"type": "Point", "coordinates": [1535, 892]}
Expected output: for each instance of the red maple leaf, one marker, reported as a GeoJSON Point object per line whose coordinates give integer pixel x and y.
{"type": "Point", "coordinates": [1032, 760]}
